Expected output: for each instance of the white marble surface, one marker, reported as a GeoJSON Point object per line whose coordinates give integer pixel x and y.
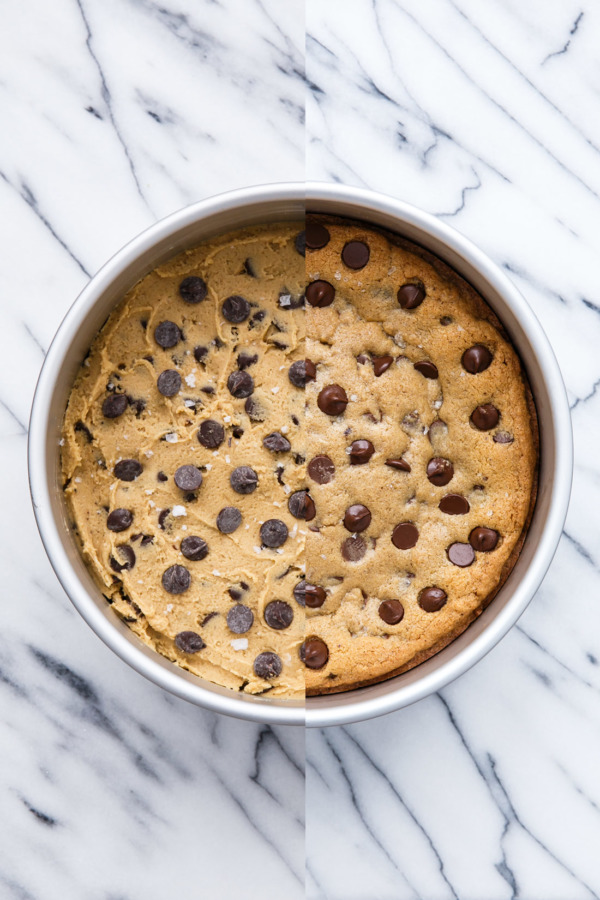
{"type": "Point", "coordinates": [115, 113]}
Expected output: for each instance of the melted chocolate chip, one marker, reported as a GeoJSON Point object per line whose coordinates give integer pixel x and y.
{"type": "Point", "coordinates": [236, 309]}
{"type": "Point", "coordinates": [361, 452]}
{"type": "Point", "coordinates": [194, 548]}
{"type": "Point", "coordinates": [273, 533]}
{"type": "Point", "coordinates": [128, 469]}
{"type": "Point", "coordinates": [357, 517]}
{"type": "Point", "coordinates": [476, 359]}
{"type": "Point", "coordinates": [310, 370]}
{"type": "Point", "coordinates": [188, 478]}
{"type": "Point", "coordinates": [405, 535]}
{"type": "Point", "coordinates": [189, 641]}
{"type": "Point", "coordinates": [243, 480]}
{"type": "Point", "coordinates": [240, 384]}
{"type": "Point", "coordinates": [176, 579]}
{"type": "Point", "coordinates": [317, 236]}
{"type": "Point", "coordinates": [313, 595]}
{"type": "Point", "coordinates": [300, 243]}
{"type": "Point", "coordinates": [437, 429]}
{"type": "Point", "coordinates": [454, 505]}
{"type": "Point", "coordinates": [332, 400]}
{"type": "Point", "coordinates": [267, 665]}
{"type": "Point", "coordinates": [391, 611]}
{"type": "Point", "coordinates": [320, 294]}
{"type": "Point", "coordinates": [278, 614]}
{"type": "Point", "coordinates": [301, 506]}
{"type": "Point", "coordinates": [484, 539]}
{"type": "Point", "coordinates": [240, 619]}
{"type": "Point", "coordinates": [439, 471]}
{"type": "Point", "coordinates": [485, 417]}
{"type": "Point", "coordinates": [114, 406]}
{"type": "Point", "coordinates": [229, 519]}
{"type": "Point", "coordinates": [211, 434]}
{"type": "Point", "coordinates": [431, 599]}
{"type": "Point", "coordinates": [411, 295]}
{"type": "Point", "coordinates": [314, 653]}
{"type": "Point", "coordinates": [503, 437]}
{"type": "Point", "coordinates": [167, 334]}
{"type": "Point", "coordinates": [381, 364]}
{"type": "Point", "coordinates": [193, 289]}
{"type": "Point", "coordinates": [119, 520]}
{"type": "Point", "coordinates": [426, 368]}
{"type": "Point", "coordinates": [356, 254]}
{"type": "Point", "coordinates": [399, 464]}
{"type": "Point", "coordinates": [461, 554]}
{"type": "Point", "coordinates": [321, 469]}
{"type": "Point", "coordinates": [276, 443]}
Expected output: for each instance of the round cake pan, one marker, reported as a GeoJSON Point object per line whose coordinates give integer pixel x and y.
{"type": "Point", "coordinates": [240, 209]}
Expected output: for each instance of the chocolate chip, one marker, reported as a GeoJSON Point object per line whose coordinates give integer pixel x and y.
{"type": "Point", "coordinates": [411, 295]}
{"type": "Point", "coordinates": [237, 432]}
{"type": "Point", "coordinates": [300, 243]}
{"type": "Point", "coordinates": [236, 309]}
{"type": "Point", "coordinates": [193, 289]}
{"type": "Point", "coordinates": [176, 579]}
{"type": "Point", "coordinates": [278, 614]}
{"type": "Point", "coordinates": [310, 370]}
{"type": "Point", "coordinates": [361, 452]}
{"type": "Point", "coordinates": [431, 599]}
{"type": "Point", "coordinates": [391, 611]}
{"type": "Point", "coordinates": [208, 389]}
{"type": "Point", "coordinates": [454, 505]}
{"type": "Point", "coordinates": [332, 400]}
{"type": "Point", "coordinates": [200, 354]}
{"type": "Point", "coordinates": [439, 471]}
{"type": "Point", "coordinates": [312, 595]}
{"type": "Point", "coordinates": [356, 254]}
{"type": "Point", "coordinates": [114, 406]}
{"type": "Point", "coordinates": [297, 373]}
{"type": "Point", "coordinates": [254, 410]}
{"type": "Point", "coordinates": [119, 520]}
{"type": "Point", "coordinates": [381, 364]}
{"type": "Point", "coordinates": [400, 464]}
{"type": "Point", "coordinates": [320, 293]}
{"type": "Point", "coordinates": [240, 619]}
{"type": "Point", "coordinates": [354, 548]}
{"type": "Point", "coordinates": [485, 417]}
{"type": "Point", "coordinates": [445, 320]}
{"type": "Point", "coordinates": [273, 533]}
{"type": "Point", "coordinates": [167, 334]}
{"type": "Point", "coordinates": [317, 236]}
{"type": "Point", "coordinates": [321, 469]}
{"type": "Point", "coordinates": [476, 359]}
{"type": "Point", "coordinates": [162, 518]}
{"type": "Point", "coordinates": [211, 434]}
{"type": "Point", "coordinates": [169, 383]}
{"type": "Point", "coordinates": [484, 539]}
{"type": "Point", "coordinates": [276, 443]}
{"type": "Point", "coordinates": [302, 506]}
{"type": "Point", "coordinates": [229, 519]}
{"type": "Point", "coordinates": [357, 517]}
{"type": "Point", "coordinates": [128, 559]}
{"type": "Point", "coordinates": [503, 437]}
{"type": "Point", "coordinates": [314, 653]}
{"type": "Point", "coordinates": [245, 360]}
{"type": "Point", "coordinates": [461, 554]}
{"type": "Point", "coordinates": [243, 480]}
{"type": "Point", "coordinates": [194, 548]}
{"type": "Point", "coordinates": [240, 384]}
{"type": "Point", "coordinates": [437, 429]}
{"type": "Point", "coordinates": [405, 535]}
{"type": "Point", "coordinates": [426, 368]}
{"type": "Point", "coordinates": [189, 641]}
{"type": "Point", "coordinates": [128, 469]}
{"type": "Point", "coordinates": [267, 665]}
{"type": "Point", "coordinates": [188, 478]}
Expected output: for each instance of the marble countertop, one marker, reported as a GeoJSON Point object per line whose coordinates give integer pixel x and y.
{"type": "Point", "coordinates": [116, 113]}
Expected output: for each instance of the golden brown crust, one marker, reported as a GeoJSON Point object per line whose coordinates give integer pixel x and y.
{"type": "Point", "coordinates": [363, 649]}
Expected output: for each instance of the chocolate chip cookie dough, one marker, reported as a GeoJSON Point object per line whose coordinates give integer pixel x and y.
{"type": "Point", "coordinates": [421, 456]}
{"type": "Point", "coordinates": [183, 459]}
{"type": "Point", "coordinates": [293, 498]}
